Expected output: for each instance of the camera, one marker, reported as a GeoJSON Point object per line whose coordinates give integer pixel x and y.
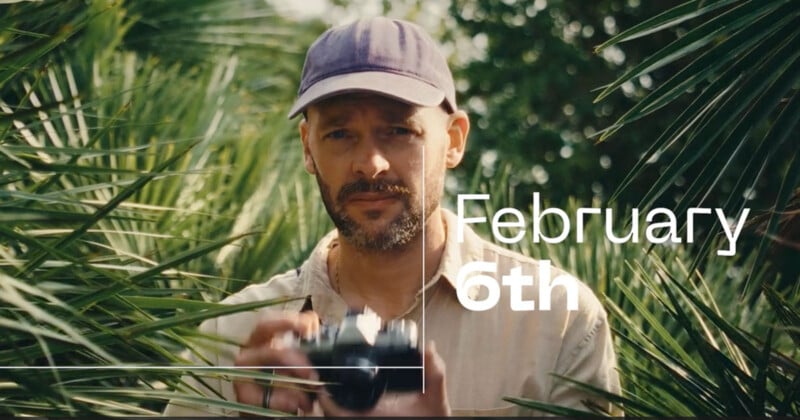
{"type": "Point", "coordinates": [359, 359]}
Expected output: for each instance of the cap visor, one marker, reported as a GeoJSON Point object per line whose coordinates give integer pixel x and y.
{"type": "Point", "coordinates": [403, 88]}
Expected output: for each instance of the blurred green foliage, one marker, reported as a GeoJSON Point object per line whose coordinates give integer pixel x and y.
{"type": "Point", "coordinates": [532, 90]}
{"type": "Point", "coordinates": [531, 97]}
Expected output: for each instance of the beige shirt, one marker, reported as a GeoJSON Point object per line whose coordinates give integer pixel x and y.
{"type": "Point", "coordinates": [488, 354]}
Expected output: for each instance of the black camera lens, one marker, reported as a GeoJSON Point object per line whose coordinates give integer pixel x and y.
{"type": "Point", "coordinates": [348, 355]}
{"type": "Point", "coordinates": [360, 386]}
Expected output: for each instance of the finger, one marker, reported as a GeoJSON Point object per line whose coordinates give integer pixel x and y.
{"type": "Point", "coordinates": [285, 399]}
{"type": "Point", "coordinates": [248, 391]}
{"type": "Point", "coordinates": [309, 322]}
{"type": "Point", "coordinates": [289, 400]}
{"type": "Point", "coordinates": [295, 361]}
{"type": "Point", "coordinates": [283, 396]}
{"type": "Point", "coordinates": [300, 323]}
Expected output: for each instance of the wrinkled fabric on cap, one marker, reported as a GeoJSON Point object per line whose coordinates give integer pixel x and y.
{"type": "Point", "coordinates": [389, 57]}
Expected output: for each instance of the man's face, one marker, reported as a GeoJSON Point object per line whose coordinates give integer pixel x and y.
{"type": "Point", "coordinates": [366, 152]}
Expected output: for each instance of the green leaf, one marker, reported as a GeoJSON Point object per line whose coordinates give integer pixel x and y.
{"type": "Point", "coordinates": [695, 39]}
{"type": "Point", "coordinates": [665, 20]}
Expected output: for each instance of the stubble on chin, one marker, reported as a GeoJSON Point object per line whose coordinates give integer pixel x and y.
{"type": "Point", "coordinates": [397, 234]}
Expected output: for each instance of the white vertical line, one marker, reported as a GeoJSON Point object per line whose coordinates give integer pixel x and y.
{"type": "Point", "coordinates": [423, 267]}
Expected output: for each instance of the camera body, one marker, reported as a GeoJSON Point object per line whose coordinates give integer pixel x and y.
{"type": "Point", "coordinates": [359, 359]}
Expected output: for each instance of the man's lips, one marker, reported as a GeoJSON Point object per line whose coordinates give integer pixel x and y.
{"type": "Point", "coordinates": [372, 196]}
{"type": "Point", "coordinates": [372, 201]}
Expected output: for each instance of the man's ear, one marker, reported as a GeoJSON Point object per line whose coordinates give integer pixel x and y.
{"type": "Point", "coordinates": [308, 160]}
{"type": "Point", "coordinates": [457, 130]}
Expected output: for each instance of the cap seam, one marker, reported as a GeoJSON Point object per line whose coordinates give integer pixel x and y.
{"type": "Point", "coordinates": [361, 69]}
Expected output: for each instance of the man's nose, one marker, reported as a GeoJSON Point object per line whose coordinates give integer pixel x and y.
{"type": "Point", "coordinates": [369, 160]}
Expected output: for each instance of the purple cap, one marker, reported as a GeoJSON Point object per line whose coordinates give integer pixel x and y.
{"type": "Point", "coordinates": [389, 57]}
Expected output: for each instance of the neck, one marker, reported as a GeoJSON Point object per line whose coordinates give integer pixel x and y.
{"type": "Point", "coordinates": [387, 282]}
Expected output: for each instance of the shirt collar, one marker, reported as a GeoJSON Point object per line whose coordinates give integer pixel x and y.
{"type": "Point", "coordinates": [314, 282]}
{"type": "Point", "coordinates": [455, 255]}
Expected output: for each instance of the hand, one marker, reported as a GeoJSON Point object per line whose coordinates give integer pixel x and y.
{"type": "Point", "coordinates": [263, 349]}
{"type": "Point", "coordinates": [433, 403]}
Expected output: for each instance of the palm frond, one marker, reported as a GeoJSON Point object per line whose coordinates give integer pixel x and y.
{"type": "Point", "coordinates": [744, 67]}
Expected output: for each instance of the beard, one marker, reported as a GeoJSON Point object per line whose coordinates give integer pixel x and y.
{"type": "Point", "coordinates": [398, 233]}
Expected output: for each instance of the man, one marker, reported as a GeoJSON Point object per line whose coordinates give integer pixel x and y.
{"type": "Point", "coordinates": [380, 128]}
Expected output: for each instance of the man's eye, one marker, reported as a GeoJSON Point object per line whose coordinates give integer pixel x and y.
{"type": "Point", "coordinates": [336, 135]}
{"type": "Point", "coordinates": [399, 131]}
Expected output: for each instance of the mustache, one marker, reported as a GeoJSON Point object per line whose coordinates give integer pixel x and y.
{"type": "Point", "coordinates": [364, 186]}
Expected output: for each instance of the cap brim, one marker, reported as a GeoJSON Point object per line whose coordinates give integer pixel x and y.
{"type": "Point", "coordinates": [403, 88]}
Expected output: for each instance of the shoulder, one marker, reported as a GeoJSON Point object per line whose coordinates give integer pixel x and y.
{"type": "Point", "coordinates": [280, 285]}
{"type": "Point", "coordinates": [294, 284]}
{"type": "Point", "coordinates": [238, 326]}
